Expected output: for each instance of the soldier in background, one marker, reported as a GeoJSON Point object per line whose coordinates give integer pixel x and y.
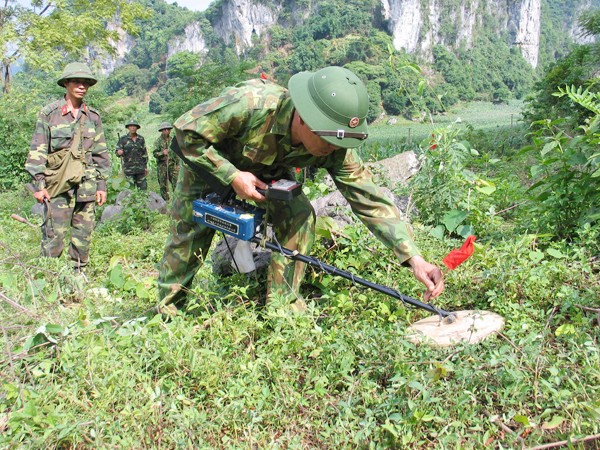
{"type": "Point", "coordinates": [258, 132]}
{"type": "Point", "coordinates": [69, 164]}
{"type": "Point", "coordinates": [167, 163]}
{"type": "Point", "coordinates": [132, 148]}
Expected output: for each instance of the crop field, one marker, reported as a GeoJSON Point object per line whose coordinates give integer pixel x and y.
{"type": "Point", "coordinates": [388, 139]}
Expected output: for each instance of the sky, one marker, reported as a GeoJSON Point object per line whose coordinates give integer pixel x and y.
{"type": "Point", "coordinates": [194, 5]}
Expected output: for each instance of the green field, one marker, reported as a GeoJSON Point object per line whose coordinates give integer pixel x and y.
{"type": "Point", "coordinates": [479, 115]}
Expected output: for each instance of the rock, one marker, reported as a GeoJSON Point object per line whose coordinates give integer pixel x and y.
{"type": "Point", "coordinates": [110, 211]}
{"type": "Point", "coordinates": [122, 196]}
{"type": "Point", "coordinates": [154, 203]}
{"type": "Point", "coordinates": [37, 209]}
{"type": "Point", "coordinates": [399, 168]}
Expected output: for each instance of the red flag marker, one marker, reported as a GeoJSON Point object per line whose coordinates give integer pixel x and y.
{"type": "Point", "coordinates": [457, 256]}
{"type": "Point", "coordinates": [263, 76]}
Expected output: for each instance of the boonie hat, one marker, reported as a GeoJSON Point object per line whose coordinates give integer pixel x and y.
{"type": "Point", "coordinates": [334, 103]}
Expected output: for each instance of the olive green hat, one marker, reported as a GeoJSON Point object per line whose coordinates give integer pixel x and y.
{"type": "Point", "coordinates": [76, 70]}
{"type": "Point", "coordinates": [334, 103]}
{"type": "Point", "coordinates": [164, 126]}
{"type": "Point", "coordinates": [133, 122]}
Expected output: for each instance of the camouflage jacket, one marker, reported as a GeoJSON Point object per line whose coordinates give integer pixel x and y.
{"type": "Point", "coordinates": [247, 128]}
{"type": "Point", "coordinates": [161, 144]}
{"type": "Point", "coordinates": [135, 155]}
{"type": "Point", "coordinates": [54, 130]}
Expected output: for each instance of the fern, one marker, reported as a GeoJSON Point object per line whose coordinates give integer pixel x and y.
{"type": "Point", "coordinates": [585, 98]}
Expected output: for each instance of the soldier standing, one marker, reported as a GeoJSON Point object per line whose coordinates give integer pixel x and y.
{"type": "Point", "coordinates": [69, 164]}
{"type": "Point", "coordinates": [167, 163]}
{"type": "Point", "coordinates": [132, 148]}
{"type": "Point", "coordinates": [257, 132]}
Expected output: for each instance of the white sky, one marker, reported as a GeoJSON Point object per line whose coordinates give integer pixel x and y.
{"type": "Point", "coordinates": [194, 5]}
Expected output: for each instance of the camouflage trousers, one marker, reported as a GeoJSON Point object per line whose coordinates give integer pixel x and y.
{"type": "Point", "coordinates": [189, 242]}
{"type": "Point", "coordinates": [61, 213]}
{"type": "Point", "coordinates": [138, 180]}
{"type": "Point", "coordinates": [167, 172]}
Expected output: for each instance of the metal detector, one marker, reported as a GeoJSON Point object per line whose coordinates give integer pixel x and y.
{"type": "Point", "coordinates": [244, 222]}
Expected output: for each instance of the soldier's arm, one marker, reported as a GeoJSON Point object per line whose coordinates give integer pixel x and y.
{"type": "Point", "coordinates": [370, 204]}
{"type": "Point", "coordinates": [145, 151]}
{"type": "Point", "coordinates": [199, 133]}
{"type": "Point", "coordinates": [38, 151]}
{"type": "Point", "coordinates": [100, 158]}
{"type": "Point", "coordinates": [119, 148]}
{"type": "Point", "coordinates": [157, 149]}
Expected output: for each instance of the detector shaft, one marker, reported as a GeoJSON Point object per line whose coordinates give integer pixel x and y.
{"type": "Point", "coordinates": [313, 262]}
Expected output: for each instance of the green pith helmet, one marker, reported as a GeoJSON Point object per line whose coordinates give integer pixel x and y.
{"type": "Point", "coordinates": [133, 122]}
{"type": "Point", "coordinates": [165, 126]}
{"type": "Point", "coordinates": [333, 102]}
{"type": "Point", "coordinates": [76, 70]}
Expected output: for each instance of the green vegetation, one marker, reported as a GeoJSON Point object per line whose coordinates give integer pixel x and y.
{"type": "Point", "coordinates": [387, 140]}
{"type": "Point", "coordinates": [84, 366]}
{"type": "Point", "coordinates": [36, 33]}
{"type": "Point", "coordinates": [83, 363]}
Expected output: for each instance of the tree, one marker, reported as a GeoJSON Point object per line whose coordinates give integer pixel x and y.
{"type": "Point", "coordinates": [51, 31]}
{"type": "Point", "coordinates": [183, 65]}
{"type": "Point", "coordinates": [579, 68]}
{"type": "Point", "coordinates": [130, 77]}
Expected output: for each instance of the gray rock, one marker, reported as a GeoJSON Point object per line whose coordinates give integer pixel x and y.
{"type": "Point", "coordinates": [397, 169]}
{"type": "Point", "coordinates": [154, 203]}
{"type": "Point", "coordinates": [110, 212]}
{"type": "Point", "coordinates": [37, 209]}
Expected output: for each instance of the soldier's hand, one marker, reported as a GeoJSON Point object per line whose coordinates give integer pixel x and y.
{"type": "Point", "coordinates": [40, 196]}
{"type": "Point", "coordinates": [166, 151]}
{"type": "Point", "coordinates": [245, 184]}
{"type": "Point", "coordinates": [429, 275]}
{"type": "Point", "coordinates": [120, 152]}
{"type": "Point", "coordinates": [100, 197]}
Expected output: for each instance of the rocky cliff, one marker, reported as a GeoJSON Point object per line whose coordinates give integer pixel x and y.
{"type": "Point", "coordinates": [416, 26]}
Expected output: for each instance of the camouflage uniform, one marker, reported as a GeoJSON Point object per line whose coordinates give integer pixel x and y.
{"type": "Point", "coordinates": [54, 130]}
{"type": "Point", "coordinates": [167, 166]}
{"type": "Point", "coordinates": [247, 128]}
{"type": "Point", "coordinates": [135, 160]}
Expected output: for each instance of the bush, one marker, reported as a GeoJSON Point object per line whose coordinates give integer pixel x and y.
{"type": "Point", "coordinates": [16, 128]}
{"type": "Point", "coordinates": [448, 195]}
{"type": "Point", "coordinates": [166, 94]}
{"type": "Point", "coordinates": [566, 189]}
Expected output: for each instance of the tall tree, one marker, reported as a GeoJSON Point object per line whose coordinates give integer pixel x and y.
{"type": "Point", "coordinates": [49, 31]}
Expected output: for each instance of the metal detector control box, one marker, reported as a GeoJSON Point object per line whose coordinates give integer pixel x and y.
{"type": "Point", "coordinates": [237, 218]}
{"type": "Point", "coordinates": [234, 220]}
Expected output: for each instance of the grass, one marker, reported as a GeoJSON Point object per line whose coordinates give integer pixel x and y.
{"type": "Point", "coordinates": [83, 366]}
